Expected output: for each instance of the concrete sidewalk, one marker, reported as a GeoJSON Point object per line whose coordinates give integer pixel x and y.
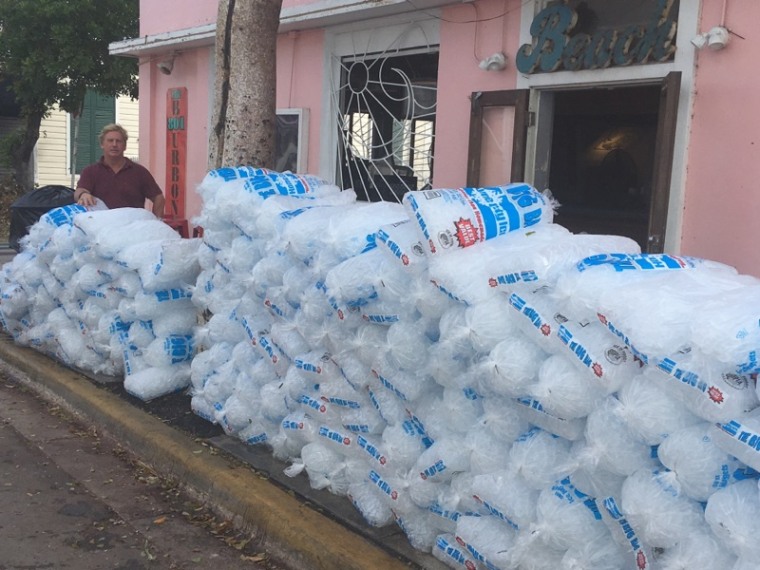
{"type": "Point", "coordinates": [72, 497]}
{"type": "Point", "coordinates": [6, 253]}
{"type": "Point", "coordinates": [283, 521]}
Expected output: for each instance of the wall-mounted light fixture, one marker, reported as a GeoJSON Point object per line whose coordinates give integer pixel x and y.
{"type": "Point", "coordinates": [166, 66]}
{"type": "Point", "coordinates": [716, 39]}
{"type": "Point", "coordinates": [495, 62]}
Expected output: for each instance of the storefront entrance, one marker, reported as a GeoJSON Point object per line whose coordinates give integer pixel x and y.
{"type": "Point", "coordinates": [605, 153]}
{"type": "Point", "coordinates": [602, 159]}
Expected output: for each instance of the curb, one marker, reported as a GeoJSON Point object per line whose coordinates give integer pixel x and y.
{"type": "Point", "coordinates": [292, 531]}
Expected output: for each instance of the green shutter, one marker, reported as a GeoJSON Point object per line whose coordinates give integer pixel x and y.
{"type": "Point", "coordinates": [98, 111]}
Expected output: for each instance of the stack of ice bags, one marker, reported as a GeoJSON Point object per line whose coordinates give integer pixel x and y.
{"type": "Point", "coordinates": [461, 366]}
{"type": "Point", "coordinates": [106, 291]}
{"type": "Point", "coordinates": [510, 394]}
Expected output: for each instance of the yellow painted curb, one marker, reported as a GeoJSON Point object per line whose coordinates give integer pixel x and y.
{"type": "Point", "coordinates": [284, 526]}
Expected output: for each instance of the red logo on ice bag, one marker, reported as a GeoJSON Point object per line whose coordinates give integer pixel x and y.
{"type": "Point", "coordinates": [467, 232]}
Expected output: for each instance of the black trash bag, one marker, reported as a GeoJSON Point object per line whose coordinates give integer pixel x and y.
{"type": "Point", "coordinates": [30, 207]}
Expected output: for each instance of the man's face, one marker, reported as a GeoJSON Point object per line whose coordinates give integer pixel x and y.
{"type": "Point", "coordinates": [113, 144]}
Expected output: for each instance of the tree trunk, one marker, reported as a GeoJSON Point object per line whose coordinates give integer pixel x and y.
{"type": "Point", "coordinates": [75, 143]}
{"type": "Point", "coordinates": [245, 110]}
{"type": "Point", "coordinates": [21, 153]}
{"type": "Point", "coordinates": [221, 82]}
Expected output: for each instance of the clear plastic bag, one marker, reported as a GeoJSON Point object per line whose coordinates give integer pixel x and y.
{"type": "Point", "coordinates": [583, 466]}
{"type": "Point", "coordinates": [617, 448]}
{"type": "Point", "coordinates": [170, 350]}
{"type": "Point", "coordinates": [507, 496]}
{"type": "Point", "coordinates": [565, 390]}
{"type": "Point", "coordinates": [450, 553]}
{"type": "Point", "coordinates": [241, 409]}
{"type": "Point", "coordinates": [533, 412]}
{"type": "Point", "coordinates": [606, 360]}
{"type": "Point", "coordinates": [407, 386]}
{"type": "Point", "coordinates": [500, 418]}
{"type": "Point", "coordinates": [706, 387]}
{"type": "Point", "coordinates": [726, 327]}
{"type": "Point", "coordinates": [599, 554]}
{"type": "Point", "coordinates": [566, 518]}
{"type": "Point", "coordinates": [109, 242]}
{"type": "Point", "coordinates": [403, 446]}
{"type": "Point", "coordinates": [699, 550]}
{"type": "Point", "coordinates": [449, 411]}
{"type": "Point", "coordinates": [486, 538]}
{"type": "Point", "coordinates": [661, 514]}
{"type": "Point", "coordinates": [652, 412]}
{"type": "Point", "coordinates": [650, 297]}
{"type": "Point", "coordinates": [442, 460]}
{"type": "Point", "coordinates": [489, 324]}
{"type": "Point", "coordinates": [368, 501]}
{"type": "Point", "coordinates": [402, 243]}
{"type": "Point", "coordinates": [216, 180]}
{"type": "Point", "coordinates": [390, 407]}
{"type": "Point", "coordinates": [408, 346]}
{"type": "Point", "coordinates": [731, 513]}
{"type": "Point", "coordinates": [639, 554]}
{"type": "Point", "coordinates": [451, 219]}
{"type": "Point", "coordinates": [701, 467]}
{"type": "Point", "coordinates": [325, 467]}
{"type": "Point", "coordinates": [511, 368]}
{"type": "Point", "coordinates": [154, 382]}
{"type": "Point", "coordinates": [740, 437]}
{"type": "Point", "coordinates": [489, 452]}
{"type": "Point", "coordinates": [537, 455]}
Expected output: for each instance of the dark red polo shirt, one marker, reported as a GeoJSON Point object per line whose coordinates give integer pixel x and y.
{"type": "Point", "coordinates": [127, 188]}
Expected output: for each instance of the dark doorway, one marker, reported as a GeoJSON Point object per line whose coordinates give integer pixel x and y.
{"type": "Point", "coordinates": [606, 153]}
{"type": "Point", "coordinates": [602, 159]}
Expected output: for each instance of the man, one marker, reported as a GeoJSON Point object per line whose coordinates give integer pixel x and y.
{"type": "Point", "coordinates": [115, 179]}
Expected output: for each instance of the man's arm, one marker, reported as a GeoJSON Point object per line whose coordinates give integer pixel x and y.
{"type": "Point", "coordinates": [158, 206]}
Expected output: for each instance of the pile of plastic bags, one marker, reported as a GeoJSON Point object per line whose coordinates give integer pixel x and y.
{"type": "Point", "coordinates": [107, 291]}
{"type": "Point", "coordinates": [510, 394]}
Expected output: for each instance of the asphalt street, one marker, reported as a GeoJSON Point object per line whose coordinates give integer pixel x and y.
{"type": "Point", "coordinates": [70, 497]}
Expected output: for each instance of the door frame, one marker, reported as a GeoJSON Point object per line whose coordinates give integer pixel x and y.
{"type": "Point", "coordinates": [481, 100]}
{"type": "Point", "coordinates": [664, 151]}
{"type": "Point", "coordinates": [665, 139]}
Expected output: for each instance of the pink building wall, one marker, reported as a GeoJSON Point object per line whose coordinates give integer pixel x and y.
{"type": "Point", "coordinates": [192, 73]}
{"type": "Point", "coordinates": [300, 66]}
{"type": "Point", "coordinates": [172, 15]}
{"type": "Point", "coordinates": [722, 203]}
{"type": "Point", "coordinates": [463, 45]}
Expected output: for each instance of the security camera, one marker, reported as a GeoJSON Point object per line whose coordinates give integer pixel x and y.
{"type": "Point", "coordinates": [699, 41]}
{"type": "Point", "coordinates": [496, 62]}
{"type": "Point", "coordinates": [717, 38]}
{"type": "Point", "coordinates": [166, 66]}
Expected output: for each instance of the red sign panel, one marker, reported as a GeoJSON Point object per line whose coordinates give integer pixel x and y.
{"type": "Point", "coordinates": [176, 151]}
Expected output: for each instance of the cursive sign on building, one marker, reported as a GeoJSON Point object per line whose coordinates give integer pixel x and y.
{"type": "Point", "coordinates": [558, 45]}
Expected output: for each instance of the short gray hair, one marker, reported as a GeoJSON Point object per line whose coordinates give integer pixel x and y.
{"type": "Point", "coordinates": [111, 128]}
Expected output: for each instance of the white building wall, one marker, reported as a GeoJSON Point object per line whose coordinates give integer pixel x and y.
{"type": "Point", "coordinates": [52, 153]}
{"type": "Point", "coordinates": [128, 116]}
